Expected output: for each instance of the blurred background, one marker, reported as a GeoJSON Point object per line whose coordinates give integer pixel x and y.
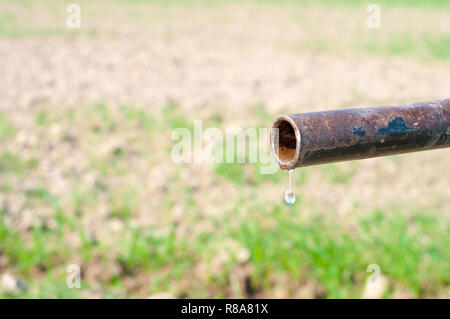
{"type": "Point", "coordinates": [86, 177]}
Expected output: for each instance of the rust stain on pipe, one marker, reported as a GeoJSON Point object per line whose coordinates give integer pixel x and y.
{"type": "Point", "coordinates": [306, 139]}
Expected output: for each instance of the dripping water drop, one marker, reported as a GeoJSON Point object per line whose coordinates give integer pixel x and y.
{"type": "Point", "coordinates": [289, 196]}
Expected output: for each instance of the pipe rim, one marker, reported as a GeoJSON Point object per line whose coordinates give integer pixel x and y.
{"type": "Point", "coordinates": [293, 162]}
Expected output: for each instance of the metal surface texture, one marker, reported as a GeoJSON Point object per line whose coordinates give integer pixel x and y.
{"type": "Point", "coordinates": [305, 139]}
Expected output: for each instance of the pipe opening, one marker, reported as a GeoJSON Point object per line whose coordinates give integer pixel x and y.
{"type": "Point", "coordinates": [287, 143]}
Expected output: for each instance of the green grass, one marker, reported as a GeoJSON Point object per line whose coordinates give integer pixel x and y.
{"type": "Point", "coordinates": [45, 116]}
{"type": "Point", "coordinates": [288, 247]}
{"type": "Point", "coordinates": [338, 260]}
{"type": "Point", "coordinates": [439, 48]}
{"type": "Point", "coordinates": [11, 163]}
{"type": "Point", "coordinates": [7, 129]}
{"type": "Point", "coordinates": [316, 249]}
{"type": "Point", "coordinates": [141, 249]}
{"type": "Point", "coordinates": [424, 46]}
{"type": "Point", "coordinates": [103, 121]}
{"type": "Point", "coordinates": [406, 3]}
{"type": "Point", "coordinates": [429, 45]}
{"type": "Point", "coordinates": [411, 250]}
{"type": "Point", "coordinates": [14, 25]}
{"type": "Point", "coordinates": [231, 171]}
{"type": "Point", "coordinates": [124, 203]}
{"type": "Point", "coordinates": [173, 117]}
{"type": "Point", "coordinates": [141, 117]}
{"type": "Point", "coordinates": [37, 253]}
{"type": "Point", "coordinates": [54, 287]}
{"type": "Point", "coordinates": [11, 26]}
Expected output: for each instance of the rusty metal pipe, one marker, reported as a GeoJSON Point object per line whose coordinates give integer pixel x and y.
{"type": "Point", "coordinates": [306, 139]}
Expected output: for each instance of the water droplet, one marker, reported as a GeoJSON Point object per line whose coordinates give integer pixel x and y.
{"type": "Point", "coordinates": [289, 196]}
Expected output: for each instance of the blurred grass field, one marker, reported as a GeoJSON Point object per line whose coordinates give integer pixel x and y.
{"type": "Point", "coordinates": [85, 170]}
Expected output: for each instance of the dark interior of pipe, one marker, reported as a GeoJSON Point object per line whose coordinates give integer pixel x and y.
{"type": "Point", "coordinates": [287, 141]}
